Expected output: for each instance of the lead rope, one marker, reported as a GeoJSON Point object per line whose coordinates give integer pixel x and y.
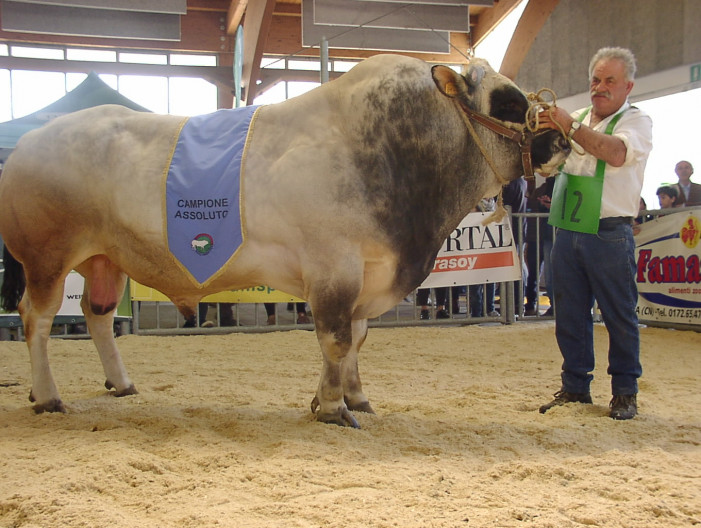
{"type": "Point", "coordinates": [500, 211]}
{"type": "Point", "coordinates": [536, 104]}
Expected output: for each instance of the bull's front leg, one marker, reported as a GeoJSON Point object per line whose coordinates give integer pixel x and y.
{"type": "Point", "coordinates": [352, 387]}
{"type": "Point", "coordinates": [333, 307]}
{"type": "Point", "coordinates": [329, 399]}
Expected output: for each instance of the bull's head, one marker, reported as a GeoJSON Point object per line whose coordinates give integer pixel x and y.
{"type": "Point", "coordinates": [541, 150]}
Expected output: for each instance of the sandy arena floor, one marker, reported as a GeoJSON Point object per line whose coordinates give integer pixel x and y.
{"type": "Point", "coordinates": [221, 436]}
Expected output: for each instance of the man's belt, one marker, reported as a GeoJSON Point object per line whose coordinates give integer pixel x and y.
{"type": "Point", "coordinates": [610, 223]}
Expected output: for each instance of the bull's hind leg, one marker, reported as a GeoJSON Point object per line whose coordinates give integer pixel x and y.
{"type": "Point", "coordinates": [104, 287]}
{"type": "Point", "coordinates": [40, 303]}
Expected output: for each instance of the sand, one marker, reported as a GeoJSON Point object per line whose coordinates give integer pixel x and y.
{"type": "Point", "coordinates": [221, 435]}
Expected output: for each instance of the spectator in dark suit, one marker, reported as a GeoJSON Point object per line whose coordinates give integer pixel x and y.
{"type": "Point", "coordinates": [689, 192]}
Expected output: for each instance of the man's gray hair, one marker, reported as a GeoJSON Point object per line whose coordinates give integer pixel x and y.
{"type": "Point", "coordinates": [622, 54]}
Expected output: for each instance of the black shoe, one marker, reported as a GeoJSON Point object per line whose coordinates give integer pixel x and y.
{"type": "Point", "coordinates": [425, 314]}
{"type": "Point", "coordinates": [442, 314]}
{"type": "Point", "coordinates": [623, 406]}
{"type": "Point", "coordinates": [562, 397]}
{"type": "Point", "coordinates": [530, 312]}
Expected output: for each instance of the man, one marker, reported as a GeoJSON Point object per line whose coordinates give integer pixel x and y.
{"type": "Point", "coordinates": [600, 264]}
{"type": "Point", "coordinates": [689, 192]}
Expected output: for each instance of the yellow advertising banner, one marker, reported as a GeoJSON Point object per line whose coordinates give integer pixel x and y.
{"type": "Point", "coordinates": [258, 294]}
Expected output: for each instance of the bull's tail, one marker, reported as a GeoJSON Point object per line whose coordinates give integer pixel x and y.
{"type": "Point", "coordinates": [13, 282]}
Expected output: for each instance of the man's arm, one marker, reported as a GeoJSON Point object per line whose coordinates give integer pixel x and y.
{"type": "Point", "coordinates": [602, 146]}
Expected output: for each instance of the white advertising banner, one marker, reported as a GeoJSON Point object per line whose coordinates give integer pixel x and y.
{"type": "Point", "coordinates": [72, 293]}
{"type": "Point", "coordinates": [668, 274]}
{"type": "Point", "coordinates": [476, 254]}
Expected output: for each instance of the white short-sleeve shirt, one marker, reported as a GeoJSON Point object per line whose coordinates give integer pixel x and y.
{"type": "Point", "coordinates": [622, 185]}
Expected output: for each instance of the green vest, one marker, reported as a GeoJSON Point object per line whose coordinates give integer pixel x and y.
{"type": "Point", "coordinates": [576, 200]}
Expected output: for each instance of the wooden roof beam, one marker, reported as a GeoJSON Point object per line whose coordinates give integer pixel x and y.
{"type": "Point", "coordinates": [491, 18]}
{"type": "Point", "coordinates": [532, 20]}
{"type": "Point", "coordinates": [234, 15]}
{"type": "Point", "coordinates": [259, 15]}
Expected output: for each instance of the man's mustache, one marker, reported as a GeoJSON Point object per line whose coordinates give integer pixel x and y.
{"type": "Point", "coordinates": [593, 93]}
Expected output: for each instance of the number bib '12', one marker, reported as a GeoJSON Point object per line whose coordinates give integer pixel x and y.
{"type": "Point", "coordinates": [576, 200]}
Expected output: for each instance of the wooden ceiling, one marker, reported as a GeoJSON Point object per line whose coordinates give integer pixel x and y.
{"type": "Point", "coordinates": [274, 27]}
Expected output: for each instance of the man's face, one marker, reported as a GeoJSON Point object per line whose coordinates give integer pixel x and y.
{"type": "Point", "coordinates": [608, 88]}
{"type": "Point", "coordinates": [684, 170]}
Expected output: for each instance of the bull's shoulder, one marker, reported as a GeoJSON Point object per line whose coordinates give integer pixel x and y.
{"type": "Point", "coordinates": [383, 72]}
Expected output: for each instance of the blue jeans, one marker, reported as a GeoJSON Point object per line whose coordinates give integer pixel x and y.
{"type": "Point", "coordinates": [602, 267]}
{"type": "Point", "coordinates": [479, 295]}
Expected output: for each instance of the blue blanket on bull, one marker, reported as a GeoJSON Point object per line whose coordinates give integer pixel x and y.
{"type": "Point", "coordinates": [202, 191]}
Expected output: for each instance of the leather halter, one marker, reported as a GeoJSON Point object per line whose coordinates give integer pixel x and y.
{"type": "Point", "coordinates": [519, 134]}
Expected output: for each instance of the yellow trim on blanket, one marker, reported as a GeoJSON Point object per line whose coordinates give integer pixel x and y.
{"type": "Point", "coordinates": [257, 294]}
{"type": "Point", "coordinates": [242, 181]}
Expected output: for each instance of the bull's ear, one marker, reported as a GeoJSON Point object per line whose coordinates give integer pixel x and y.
{"type": "Point", "coordinates": [474, 75]}
{"type": "Point", "coordinates": [449, 82]}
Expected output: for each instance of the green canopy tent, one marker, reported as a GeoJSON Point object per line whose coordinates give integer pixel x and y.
{"type": "Point", "coordinates": [91, 92]}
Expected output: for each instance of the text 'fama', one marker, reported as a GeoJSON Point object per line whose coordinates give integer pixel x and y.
{"type": "Point", "coordinates": [668, 269]}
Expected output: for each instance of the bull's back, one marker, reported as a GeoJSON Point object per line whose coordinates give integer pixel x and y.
{"type": "Point", "coordinates": [99, 143]}
{"type": "Point", "coordinates": [87, 175]}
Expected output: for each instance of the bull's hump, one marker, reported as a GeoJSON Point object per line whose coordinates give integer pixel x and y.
{"type": "Point", "coordinates": [408, 155]}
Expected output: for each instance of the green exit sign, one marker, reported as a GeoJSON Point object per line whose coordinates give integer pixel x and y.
{"type": "Point", "coordinates": [696, 73]}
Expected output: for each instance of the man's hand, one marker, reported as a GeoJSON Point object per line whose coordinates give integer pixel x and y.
{"type": "Point", "coordinates": [555, 118]}
{"type": "Point", "coordinates": [602, 146]}
{"type": "Point", "coordinates": [544, 201]}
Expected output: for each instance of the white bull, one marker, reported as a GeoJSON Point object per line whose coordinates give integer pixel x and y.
{"type": "Point", "coordinates": [349, 192]}
{"type": "Point", "coordinates": [198, 244]}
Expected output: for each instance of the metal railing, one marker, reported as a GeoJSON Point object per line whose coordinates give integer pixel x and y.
{"type": "Point", "coordinates": [162, 318]}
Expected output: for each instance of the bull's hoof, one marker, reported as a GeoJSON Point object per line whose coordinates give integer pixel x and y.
{"type": "Point", "coordinates": [129, 391]}
{"type": "Point", "coordinates": [54, 405]}
{"type": "Point", "coordinates": [361, 407]}
{"type": "Point", "coordinates": [342, 416]}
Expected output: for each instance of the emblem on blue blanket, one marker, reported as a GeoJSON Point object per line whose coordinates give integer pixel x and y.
{"type": "Point", "coordinates": [203, 243]}
{"type": "Point", "coordinates": [202, 191]}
